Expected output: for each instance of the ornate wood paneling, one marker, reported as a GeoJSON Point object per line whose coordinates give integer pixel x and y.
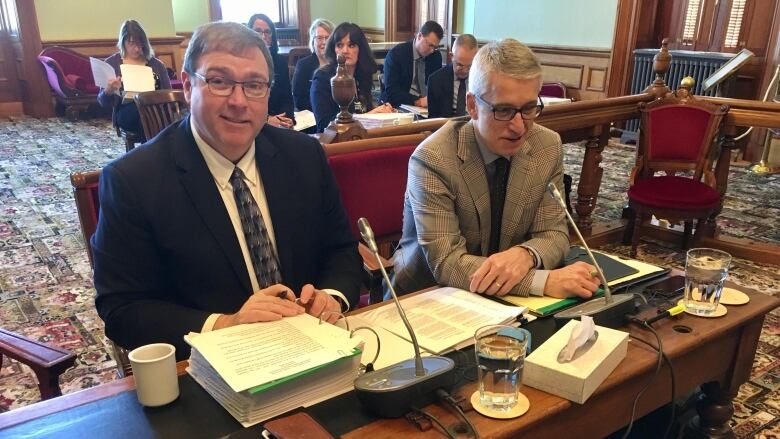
{"type": "Point", "coordinates": [582, 71]}
{"type": "Point", "coordinates": [374, 34]}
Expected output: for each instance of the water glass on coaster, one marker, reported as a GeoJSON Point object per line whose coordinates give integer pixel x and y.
{"type": "Point", "coordinates": [154, 371]}
{"type": "Point", "coordinates": [705, 271]}
{"type": "Point", "coordinates": [500, 353]}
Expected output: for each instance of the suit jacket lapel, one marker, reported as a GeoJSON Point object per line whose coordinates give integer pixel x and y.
{"type": "Point", "coordinates": [199, 185]}
{"type": "Point", "coordinates": [473, 171]}
{"type": "Point", "coordinates": [516, 197]}
{"type": "Point", "coordinates": [276, 176]}
{"type": "Point", "coordinates": [450, 89]}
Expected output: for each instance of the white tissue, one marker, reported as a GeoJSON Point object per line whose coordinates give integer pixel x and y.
{"type": "Point", "coordinates": [580, 334]}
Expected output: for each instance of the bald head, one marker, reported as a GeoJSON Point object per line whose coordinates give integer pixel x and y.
{"type": "Point", "coordinates": [463, 51]}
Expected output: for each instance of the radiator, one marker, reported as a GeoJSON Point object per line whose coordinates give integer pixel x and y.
{"type": "Point", "coordinates": [698, 65]}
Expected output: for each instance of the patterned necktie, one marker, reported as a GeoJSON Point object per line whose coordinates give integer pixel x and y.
{"type": "Point", "coordinates": [260, 249]}
{"type": "Point", "coordinates": [421, 76]}
{"type": "Point", "coordinates": [460, 105]}
{"type": "Point", "coordinates": [497, 198]}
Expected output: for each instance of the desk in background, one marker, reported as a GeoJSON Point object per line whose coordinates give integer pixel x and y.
{"type": "Point", "coordinates": [715, 351]}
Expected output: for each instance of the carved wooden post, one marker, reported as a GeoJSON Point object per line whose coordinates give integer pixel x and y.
{"type": "Point", "coordinates": [343, 89]}
{"type": "Point", "coordinates": [714, 410]}
{"type": "Point", "coordinates": [661, 62]}
{"type": "Point", "coordinates": [590, 178]}
{"type": "Point", "coordinates": [722, 173]}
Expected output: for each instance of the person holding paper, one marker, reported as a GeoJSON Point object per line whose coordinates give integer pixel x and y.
{"type": "Point", "coordinates": [477, 214]}
{"type": "Point", "coordinates": [349, 41]}
{"type": "Point", "coordinates": [319, 31]}
{"type": "Point", "coordinates": [222, 219]}
{"type": "Point", "coordinates": [281, 111]}
{"type": "Point", "coordinates": [409, 65]}
{"type": "Point", "coordinates": [134, 49]}
{"type": "Point", "coordinates": [447, 86]}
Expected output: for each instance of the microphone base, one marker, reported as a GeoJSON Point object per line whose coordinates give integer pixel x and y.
{"type": "Point", "coordinates": [390, 392]}
{"type": "Point", "coordinates": [610, 315]}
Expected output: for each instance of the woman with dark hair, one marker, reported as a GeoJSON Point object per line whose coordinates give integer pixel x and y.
{"type": "Point", "coordinates": [134, 48]}
{"type": "Point", "coordinates": [347, 40]}
{"type": "Point", "coordinates": [280, 103]}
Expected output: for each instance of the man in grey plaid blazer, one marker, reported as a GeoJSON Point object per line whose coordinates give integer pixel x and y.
{"type": "Point", "coordinates": [456, 172]}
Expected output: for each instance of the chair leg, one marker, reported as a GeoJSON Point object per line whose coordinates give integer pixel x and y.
{"type": "Point", "coordinates": [628, 233]}
{"type": "Point", "coordinates": [635, 234]}
{"type": "Point", "coordinates": [687, 233]}
{"type": "Point", "coordinates": [700, 226]}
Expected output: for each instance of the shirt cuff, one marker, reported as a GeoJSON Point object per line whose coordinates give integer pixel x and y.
{"type": "Point", "coordinates": [538, 283]}
{"type": "Point", "coordinates": [335, 293]}
{"type": "Point", "coordinates": [208, 325]}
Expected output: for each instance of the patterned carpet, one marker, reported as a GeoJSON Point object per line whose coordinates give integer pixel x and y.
{"type": "Point", "coordinates": [46, 289]}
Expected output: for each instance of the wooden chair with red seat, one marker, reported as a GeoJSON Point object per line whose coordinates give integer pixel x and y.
{"type": "Point", "coordinates": [371, 175]}
{"type": "Point", "coordinates": [85, 191]}
{"type": "Point", "coordinates": [160, 108]}
{"type": "Point", "coordinates": [676, 135]}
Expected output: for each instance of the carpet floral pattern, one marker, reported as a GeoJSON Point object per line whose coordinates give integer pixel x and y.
{"type": "Point", "coordinates": [46, 289]}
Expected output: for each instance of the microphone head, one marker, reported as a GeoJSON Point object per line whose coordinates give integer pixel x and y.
{"type": "Point", "coordinates": [367, 234]}
{"type": "Point", "coordinates": [553, 190]}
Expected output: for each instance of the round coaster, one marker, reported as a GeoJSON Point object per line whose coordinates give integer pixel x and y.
{"type": "Point", "coordinates": [720, 311]}
{"type": "Point", "coordinates": [518, 410]}
{"type": "Point", "coordinates": [730, 296]}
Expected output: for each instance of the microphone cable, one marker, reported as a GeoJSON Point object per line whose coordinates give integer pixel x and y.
{"type": "Point", "coordinates": [661, 357]}
{"type": "Point", "coordinates": [435, 420]}
{"type": "Point", "coordinates": [445, 397]}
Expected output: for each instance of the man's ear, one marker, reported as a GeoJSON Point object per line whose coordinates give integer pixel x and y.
{"type": "Point", "coordinates": [186, 80]}
{"type": "Point", "coordinates": [471, 105]}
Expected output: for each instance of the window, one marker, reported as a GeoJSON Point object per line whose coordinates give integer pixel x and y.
{"type": "Point", "coordinates": [691, 25]}
{"type": "Point", "coordinates": [239, 11]}
{"type": "Point", "coordinates": [8, 20]}
{"type": "Point", "coordinates": [735, 24]}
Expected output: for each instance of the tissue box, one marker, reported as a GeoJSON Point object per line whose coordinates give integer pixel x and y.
{"type": "Point", "coordinates": [579, 378]}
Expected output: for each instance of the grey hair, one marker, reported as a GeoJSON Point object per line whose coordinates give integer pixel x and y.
{"type": "Point", "coordinates": [506, 56]}
{"type": "Point", "coordinates": [466, 41]}
{"type": "Point", "coordinates": [320, 22]}
{"type": "Point", "coordinates": [223, 36]}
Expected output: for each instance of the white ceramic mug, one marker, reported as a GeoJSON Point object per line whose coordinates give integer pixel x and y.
{"type": "Point", "coordinates": [154, 370]}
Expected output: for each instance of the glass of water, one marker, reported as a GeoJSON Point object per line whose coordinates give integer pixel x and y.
{"type": "Point", "coordinates": [500, 352]}
{"type": "Point", "coordinates": [705, 271]}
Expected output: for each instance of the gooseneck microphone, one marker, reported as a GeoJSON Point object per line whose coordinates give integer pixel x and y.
{"type": "Point", "coordinates": [392, 391]}
{"type": "Point", "coordinates": [609, 311]}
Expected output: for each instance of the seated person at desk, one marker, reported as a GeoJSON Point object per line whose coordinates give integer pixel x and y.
{"type": "Point", "coordinates": [477, 214]}
{"type": "Point", "coordinates": [348, 41]}
{"type": "Point", "coordinates": [409, 65]}
{"type": "Point", "coordinates": [447, 86]}
{"type": "Point", "coordinates": [134, 48]}
{"type": "Point", "coordinates": [319, 32]}
{"type": "Point", "coordinates": [281, 111]}
{"type": "Point", "coordinates": [223, 219]}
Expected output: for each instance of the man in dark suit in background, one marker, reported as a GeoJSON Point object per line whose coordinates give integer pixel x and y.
{"type": "Point", "coordinates": [221, 219]}
{"type": "Point", "coordinates": [447, 86]}
{"type": "Point", "coordinates": [408, 66]}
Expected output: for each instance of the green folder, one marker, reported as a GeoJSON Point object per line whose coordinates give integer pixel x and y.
{"type": "Point", "coordinates": [288, 378]}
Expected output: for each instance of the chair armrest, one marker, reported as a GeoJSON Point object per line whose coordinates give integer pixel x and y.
{"type": "Point", "coordinates": [369, 260]}
{"type": "Point", "coordinates": [48, 362]}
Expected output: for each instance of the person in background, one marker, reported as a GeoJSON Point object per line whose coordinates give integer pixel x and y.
{"type": "Point", "coordinates": [477, 214]}
{"type": "Point", "coordinates": [447, 86]}
{"type": "Point", "coordinates": [319, 31]}
{"type": "Point", "coordinates": [409, 65]}
{"type": "Point", "coordinates": [281, 110]}
{"type": "Point", "coordinates": [134, 48]}
{"type": "Point", "coordinates": [349, 41]}
{"type": "Point", "coordinates": [222, 219]}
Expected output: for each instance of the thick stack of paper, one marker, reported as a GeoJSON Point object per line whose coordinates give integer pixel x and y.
{"type": "Point", "coordinates": [261, 370]}
{"type": "Point", "coordinates": [380, 120]}
{"type": "Point", "coordinates": [443, 319]}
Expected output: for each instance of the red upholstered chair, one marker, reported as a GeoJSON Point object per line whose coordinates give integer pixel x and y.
{"type": "Point", "coordinates": [70, 77]}
{"type": "Point", "coordinates": [371, 175]}
{"type": "Point", "coordinates": [676, 135]}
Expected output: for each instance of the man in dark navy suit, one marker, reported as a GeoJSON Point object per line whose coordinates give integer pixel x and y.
{"type": "Point", "coordinates": [447, 86]}
{"type": "Point", "coordinates": [221, 219]}
{"type": "Point", "coordinates": [408, 65]}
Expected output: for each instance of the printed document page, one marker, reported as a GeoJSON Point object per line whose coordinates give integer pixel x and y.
{"type": "Point", "coordinates": [137, 78]}
{"type": "Point", "coordinates": [250, 355]}
{"type": "Point", "coordinates": [101, 72]}
{"type": "Point", "coordinates": [304, 119]}
{"type": "Point", "coordinates": [443, 318]}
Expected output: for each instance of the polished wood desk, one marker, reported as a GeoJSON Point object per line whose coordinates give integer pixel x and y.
{"type": "Point", "coordinates": [718, 352]}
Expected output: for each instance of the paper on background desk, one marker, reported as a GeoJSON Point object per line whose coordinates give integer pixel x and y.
{"type": "Point", "coordinates": [444, 318]}
{"type": "Point", "coordinates": [137, 78]}
{"type": "Point", "coordinates": [304, 119]}
{"type": "Point", "coordinates": [102, 72]}
{"type": "Point", "coordinates": [420, 111]}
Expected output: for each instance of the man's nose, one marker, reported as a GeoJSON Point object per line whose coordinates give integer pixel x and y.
{"type": "Point", "coordinates": [237, 96]}
{"type": "Point", "coordinates": [518, 124]}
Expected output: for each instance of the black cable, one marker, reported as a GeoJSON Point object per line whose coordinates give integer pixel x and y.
{"type": "Point", "coordinates": [660, 349]}
{"type": "Point", "coordinates": [447, 398]}
{"type": "Point", "coordinates": [639, 394]}
{"type": "Point", "coordinates": [435, 420]}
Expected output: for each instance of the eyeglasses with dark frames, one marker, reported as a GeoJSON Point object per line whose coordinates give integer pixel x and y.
{"type": "Point", "coordinates": [503, 113]}
{"type": "Point", "coordinates": [224, 87]}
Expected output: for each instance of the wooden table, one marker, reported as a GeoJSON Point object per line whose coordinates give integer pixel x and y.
{"type": "Point", "coordinates": [715, 352]}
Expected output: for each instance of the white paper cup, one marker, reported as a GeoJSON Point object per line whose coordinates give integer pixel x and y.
{"type": "Point", "coordinates": [154, 370]}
